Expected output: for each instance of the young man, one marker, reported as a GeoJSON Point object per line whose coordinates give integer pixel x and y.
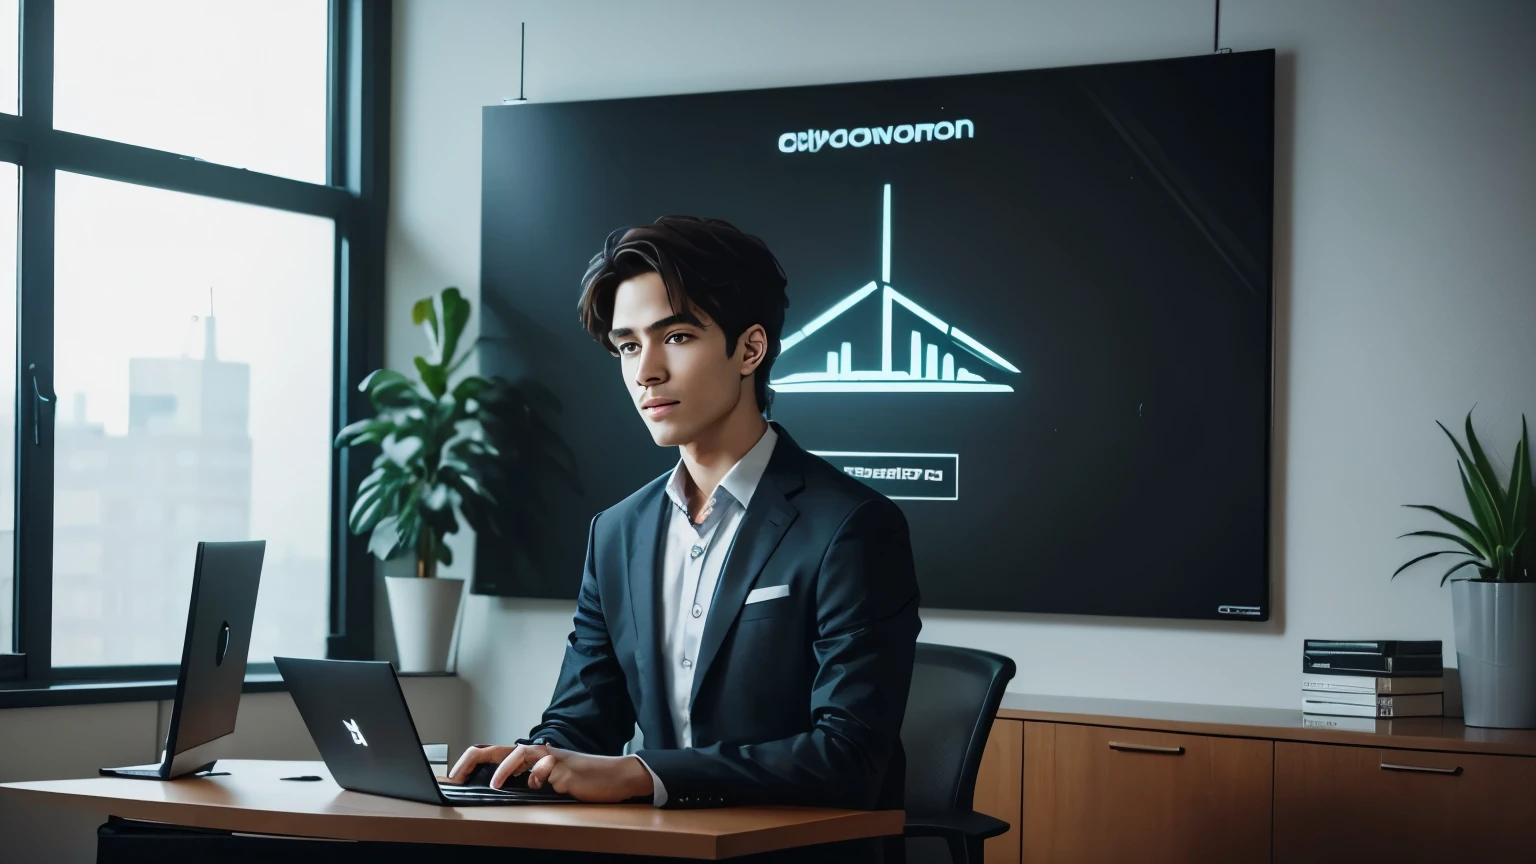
{"type": "Point", "coordinates": [755, 609]}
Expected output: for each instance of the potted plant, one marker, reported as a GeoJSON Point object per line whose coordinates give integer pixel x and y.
{"type": "Point", "coordinates": [447, 449]}
{"type": "Point", "coordinates": [1494, 610]}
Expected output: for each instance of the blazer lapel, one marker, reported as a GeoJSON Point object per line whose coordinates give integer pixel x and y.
{"type": "Point", "coordinates": [767, 518]}
{"type": "Point", "coordinates": [644, 563]}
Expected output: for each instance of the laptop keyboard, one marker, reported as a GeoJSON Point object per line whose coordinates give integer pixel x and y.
{"type": "Point", "coordinates": [488, 793]}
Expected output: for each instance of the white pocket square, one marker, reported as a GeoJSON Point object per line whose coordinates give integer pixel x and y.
{"type": "Point", "coordinates": [772, 592]}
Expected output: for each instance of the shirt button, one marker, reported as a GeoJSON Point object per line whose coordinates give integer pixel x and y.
{"type": "Point", "coordinates": [687, 664]}
{"type": "Point", "coordinates": [697, 610]}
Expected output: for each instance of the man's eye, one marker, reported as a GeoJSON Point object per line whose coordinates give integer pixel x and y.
{"type": "Point", "coordinates": [680, 337]}
{"type": "Point", "coordinates": [628, 348]}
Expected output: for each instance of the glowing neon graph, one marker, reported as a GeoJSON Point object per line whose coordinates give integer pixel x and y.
{"type": "Point", "coordinates": [927, 370]}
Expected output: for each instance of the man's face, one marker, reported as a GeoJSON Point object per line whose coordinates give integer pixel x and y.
{"type": "Point", "coordinates": [675, 364]}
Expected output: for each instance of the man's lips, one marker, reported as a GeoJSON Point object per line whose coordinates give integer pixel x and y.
{"type": "Point", "coordinates": [657, 407]}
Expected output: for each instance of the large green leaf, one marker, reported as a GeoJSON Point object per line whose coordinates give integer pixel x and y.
{"type": "Point", "coordinates": [464, 358]}
{"type": "Point", "coordinates": [472, 387]}
{"type": "Point", "coordinates": [384, 473]}
{"type": "Point", "coordinates": [388, 389]}
{"type": "Point", "coordinates": [1426, 556]}
{"type": "Point", "coordinates": [440, 520]}
{"type": "Point", "coordinates": [433, 376]}
{"type": "Point", "coordinates": [1484, 511]}
{"type": "Point", "coordinates": [1454, 538]}
{"type": "Point", "coordinates": [370, 431]}
{"type": "Point", "coordinates": [1454, 569]}
{"type": "Point", "coordinates": [1479, 497]}
{"type": "Point", "coordinates": [424, 312]}
{"type": "Point", "coordinates": [385, 538]}
{"type": "Point", "coordinates": [378, 377]}
{"type": "Point", "coordinates": [1472, 539]}
{"type": "Point", "coordinates": [1519, 501]}
{"type": "Point", "coordinates": [455, 319]}
{"type": "Point", "coordinates": [1484, 467]}
{"type": "Point", "coordinates": [467, 485]}
{"type": "Point", "coordinates": [373, 507]}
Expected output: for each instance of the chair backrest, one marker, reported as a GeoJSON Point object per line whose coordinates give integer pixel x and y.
{"type": "Point", "coordinates": [955, 695]}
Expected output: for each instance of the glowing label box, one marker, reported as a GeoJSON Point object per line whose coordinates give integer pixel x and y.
{"type": "Point", "coordinates": [902, 476]}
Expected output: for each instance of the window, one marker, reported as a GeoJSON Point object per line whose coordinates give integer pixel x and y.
{"type": "Point", "coordinates": [184, 339]}
{"type": "Point", "coordinates": [238, 82]}
{"type": "Point", "coordinates": [8, 187]}
{"type": "Point", "coordinates": [187, 333]}
{"type": "Point", "coordinates": [10, 59]}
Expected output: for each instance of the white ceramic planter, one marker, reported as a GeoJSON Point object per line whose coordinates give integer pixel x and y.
{"type": "Point", "coordinates": [424, 612]}
{"type": "Point", "coordinates": [1496, 652]}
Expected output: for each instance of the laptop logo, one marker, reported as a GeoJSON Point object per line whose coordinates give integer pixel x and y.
{"type": "Point", "coordinates": [357, 735]}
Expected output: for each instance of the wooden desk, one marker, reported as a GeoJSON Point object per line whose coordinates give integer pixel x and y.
{"type": "Point", "coordinates": [253, 799]}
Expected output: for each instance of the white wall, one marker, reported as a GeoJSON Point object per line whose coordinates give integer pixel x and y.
{"type": "Point", "coordinates": [74, 741]}
{"type": "Point", "coordinates": [1406, 212]}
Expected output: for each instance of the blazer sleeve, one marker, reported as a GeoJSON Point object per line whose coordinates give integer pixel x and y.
{"type": "Point", "coordinates": [591, 711]}
{"type": "Point", "coordinates": [867, 626]}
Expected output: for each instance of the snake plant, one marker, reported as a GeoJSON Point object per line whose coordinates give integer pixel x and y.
{"type": "Point", "coordinates": [1498, 539]}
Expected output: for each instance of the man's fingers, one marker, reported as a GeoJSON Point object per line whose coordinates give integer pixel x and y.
{"type": "Point", "coordinates": [538, 775]}
{"type": "Point", "coordinates": [474, 756]}
{"type": "Point", "coordinates": [559, 777]}
{"type": "Point", "coordinates": [521, 756]}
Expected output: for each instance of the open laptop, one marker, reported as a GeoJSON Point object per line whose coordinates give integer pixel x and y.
{"type": "Point", "coordinates": [358, 718]}
{"type": "Point", "coordinates": [224, 585]}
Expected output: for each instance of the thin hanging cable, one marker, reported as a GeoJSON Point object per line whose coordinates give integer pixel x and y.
{"type": "Point", "coordinates": [1216, 33]}
{"type": "Point", "coordinates": [522, 53]}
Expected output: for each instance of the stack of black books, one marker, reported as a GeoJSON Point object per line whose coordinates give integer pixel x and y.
{"type": "Point", "coordinates": [1353, 684]}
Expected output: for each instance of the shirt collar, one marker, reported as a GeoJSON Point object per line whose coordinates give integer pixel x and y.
{"type": "Point", "coordinates": [740, 482]}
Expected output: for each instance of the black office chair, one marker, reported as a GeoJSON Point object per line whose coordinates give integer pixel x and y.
{"type": "Point", "coordinates": [955, 694]}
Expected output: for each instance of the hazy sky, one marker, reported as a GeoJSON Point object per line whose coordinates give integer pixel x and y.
{"type": "Point", "coordinates": [241, 83]}
{"type": "Point", "coordinates": [237, 83]}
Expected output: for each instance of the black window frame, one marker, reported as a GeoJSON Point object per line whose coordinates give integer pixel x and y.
{"type": "Point", "coordinates": [355, 197]}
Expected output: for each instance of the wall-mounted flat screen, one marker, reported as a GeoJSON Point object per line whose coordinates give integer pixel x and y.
{"type": "Point", "coordinates": [1031, 307]}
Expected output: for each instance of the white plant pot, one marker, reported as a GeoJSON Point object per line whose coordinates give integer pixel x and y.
{"type": "Point", "coordinates": [1496, 652]}
{"type": "Point", "coordinates": [424, 612]}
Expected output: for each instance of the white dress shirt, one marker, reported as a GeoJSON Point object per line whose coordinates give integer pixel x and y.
{"type": "Point", "coordinates": [694, 553]}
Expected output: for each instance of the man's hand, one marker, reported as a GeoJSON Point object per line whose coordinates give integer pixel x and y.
{"type": "Point", "coordinates": [598, 779]}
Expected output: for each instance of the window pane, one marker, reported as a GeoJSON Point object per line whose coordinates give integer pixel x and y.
{"type": "Point", "coordinates": [9, 176]}
{"type": "Point", "coordinates": [240, 82]}
{"type": "Point", "coordinates": [193, 366]}
{"type": "Point", "coordinates": [10, 55]}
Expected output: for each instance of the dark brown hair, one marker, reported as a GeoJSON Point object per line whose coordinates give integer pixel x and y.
{"type": "Point", "coordinates": [706, 264]}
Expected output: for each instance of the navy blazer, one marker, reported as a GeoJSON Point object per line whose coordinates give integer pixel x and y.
{"type": "Point", "coordinates": [796, 700]}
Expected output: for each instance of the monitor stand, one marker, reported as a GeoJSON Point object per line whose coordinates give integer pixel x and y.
{"type": "Point", "coordinates": [194, 760]}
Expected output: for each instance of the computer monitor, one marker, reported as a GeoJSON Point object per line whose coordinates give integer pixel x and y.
{"type": "Point", "coordinates": [224, 585]}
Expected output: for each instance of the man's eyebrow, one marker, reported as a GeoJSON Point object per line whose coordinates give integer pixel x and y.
{"type": "Point", "coordinates": [679, 318]}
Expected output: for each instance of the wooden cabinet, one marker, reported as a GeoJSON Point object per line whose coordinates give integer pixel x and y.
{"type": "Point", "coordinates": [1095, 793]}
{"type": "Point", "coordinates": [1102, 780]}
{"type": "Point", "coordinates": [1352, 804]}
{"type": "Point", "coordinates": [999, 787]}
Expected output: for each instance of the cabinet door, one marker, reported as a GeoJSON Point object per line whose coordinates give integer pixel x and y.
{"type": "Point", "coordinates": [999, 785]}
{"type": "Point", "coordinates": [1099, 794]}
{"type": "Point", "coordinates": [1352, 804]}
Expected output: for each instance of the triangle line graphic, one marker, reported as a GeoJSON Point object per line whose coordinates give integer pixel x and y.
{"type": "Point", "coordinates": [926, 373]}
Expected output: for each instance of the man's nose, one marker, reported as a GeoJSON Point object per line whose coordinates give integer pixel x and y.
{"type": "Point", "coordinates": [652, 369]}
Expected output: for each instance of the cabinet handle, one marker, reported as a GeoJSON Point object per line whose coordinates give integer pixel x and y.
{"type": "Point", "coordinates": [1145, 748]}
{"type": "Point", "coordinates": [1421, 769]}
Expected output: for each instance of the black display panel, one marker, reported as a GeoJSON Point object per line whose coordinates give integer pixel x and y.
{"type": "Point", "coordinates": [1032, 307]}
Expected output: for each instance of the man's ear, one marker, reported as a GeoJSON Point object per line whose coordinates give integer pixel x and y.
{"type": "Point", "coordinates": [752, 349]}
